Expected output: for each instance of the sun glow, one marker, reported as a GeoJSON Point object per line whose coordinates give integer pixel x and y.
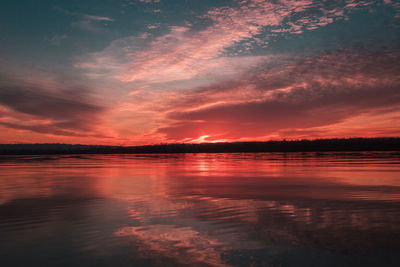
{"type": "Point", "coordinates": [206, 139]}
{"type": "Point", "coordinates": [201, 139]}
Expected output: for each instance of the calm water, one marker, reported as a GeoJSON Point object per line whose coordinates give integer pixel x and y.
{"type": "Point", "coordinates": [269, 209]}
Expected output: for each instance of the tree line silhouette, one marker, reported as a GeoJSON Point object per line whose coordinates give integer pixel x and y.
{"type": "Point", "coordinates": [318, 145]}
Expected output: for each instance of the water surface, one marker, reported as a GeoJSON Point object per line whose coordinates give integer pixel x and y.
{"type": "Point", "coordinates": [239, 209]}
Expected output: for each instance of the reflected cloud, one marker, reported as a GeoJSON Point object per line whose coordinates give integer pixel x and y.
{"type": "Point", "coordinates": [181, 243]}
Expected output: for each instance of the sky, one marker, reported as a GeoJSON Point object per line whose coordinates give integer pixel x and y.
{"type": "Point", "coordinates": [137, 72]}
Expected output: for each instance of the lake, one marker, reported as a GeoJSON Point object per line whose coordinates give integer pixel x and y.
{"type": "Point", "coordinates": [239, 209]}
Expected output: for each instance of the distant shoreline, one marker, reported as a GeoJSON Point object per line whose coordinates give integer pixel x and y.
{"type": "Point", "coordinates": [319, 145]}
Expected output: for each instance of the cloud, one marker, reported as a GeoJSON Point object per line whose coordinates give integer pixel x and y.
{"type": "Point", "coordinates": [48, 107]}
{"type": "Point", "coordinates": [149, 1]}
{"type": "Point", "coordinates": [206, 81]}
{"type": "Point", "coordinates": [184, 53]}
{"type": "Point", "coordinates": [97, 18]}
{"type": "Point", "coordinates": [90, 22]}
{"type": "Point", "coordinates": [87, 22]}
{"type": "Point", "coordinates": [153, 26]}
{"type": "Point", "coordinates": [310, 92]}
{"type": "Point", "coordinates": [45, 128]}
{"type": "Point", "coordinates": [57, 39]}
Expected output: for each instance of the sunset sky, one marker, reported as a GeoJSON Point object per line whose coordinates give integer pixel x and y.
{"type": "Point", "coordinates": [132, 72]}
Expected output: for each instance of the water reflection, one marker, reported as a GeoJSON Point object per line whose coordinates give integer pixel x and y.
{"type": "Point", "coordinates": [202, 210]}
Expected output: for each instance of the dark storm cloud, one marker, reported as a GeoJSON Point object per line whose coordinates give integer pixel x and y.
{"type": "Point", "coordinates": [53, 108]}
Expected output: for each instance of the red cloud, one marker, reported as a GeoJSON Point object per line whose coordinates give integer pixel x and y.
{"type": "Point", "coordinates": [312, 92]}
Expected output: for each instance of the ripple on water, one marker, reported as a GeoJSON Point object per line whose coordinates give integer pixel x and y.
{"type": "Point", "coordinates": [334, 209]}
